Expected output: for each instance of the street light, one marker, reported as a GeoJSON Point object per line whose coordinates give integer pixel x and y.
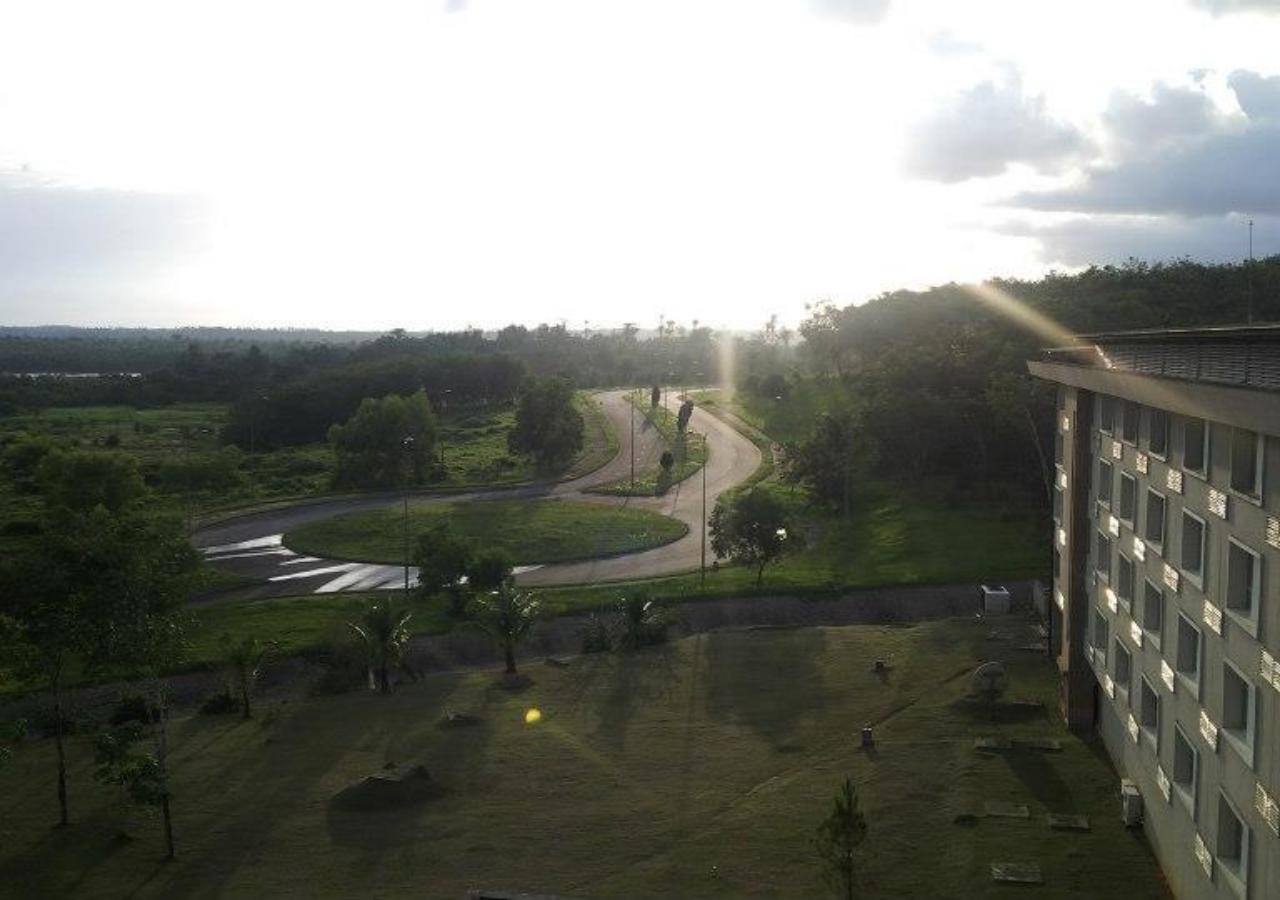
{"type": "Point", "coordinates": [407, 445]}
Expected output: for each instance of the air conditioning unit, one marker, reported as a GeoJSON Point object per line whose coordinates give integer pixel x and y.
{"type": "Point", "coordinates": [1130, 804]}
{"type": "Point", "coordinates": [995, 600]}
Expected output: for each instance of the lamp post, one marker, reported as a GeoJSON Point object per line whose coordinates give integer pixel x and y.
{"type": "Point", "coordinates": [632, 404]}
{"type": "Point", "coordinates": [407, 445]}
{"type": "Point", "coordinates": [705, 459]}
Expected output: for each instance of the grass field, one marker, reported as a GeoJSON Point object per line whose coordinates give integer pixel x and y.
{"type": "Point", "coordinates": [530, 531]}
{"type": "Point", "coordinates": [689, 454]}
{"type": "Point", "coordinates": [700, 769]}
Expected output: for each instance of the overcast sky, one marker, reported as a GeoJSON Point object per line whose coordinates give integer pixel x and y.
{"type": "Point", "coordinates": [439, 163]}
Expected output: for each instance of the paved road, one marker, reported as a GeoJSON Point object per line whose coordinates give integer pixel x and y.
{"type": "Point", "coordinates": [252, 546]}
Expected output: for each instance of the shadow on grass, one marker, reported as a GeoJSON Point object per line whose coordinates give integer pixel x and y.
{"type": "Point", "coordinates": [768, 686]}
{"type": "Point", "coordinates": [1003, 713]}
{"type": "Point", "coordinates": [1041, 779]}
{"type": "Point", "coordinates": [615, 686]}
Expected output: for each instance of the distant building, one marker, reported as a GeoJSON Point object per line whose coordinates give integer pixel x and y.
{"type": "Point", "coordinates": [1166, 616]}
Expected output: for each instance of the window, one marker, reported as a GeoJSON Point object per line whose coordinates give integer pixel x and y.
{"type": "Point", "coordinates": [1102, 562]}
{"type": "Point", "coordinates": [1155, 518]}
{"type": "Point", "coordinates": [1195, 446]}
{"type": "Point", "coordinates": [1123, 667]}
{"type": "Point", "coordinates": [1244, 582]}
{"type": "Point", "coordinates": [1129, 432]}
{"type": "Point", "coordinates": [1128, 497]}
{"type": "Point", "coordinates": [1193, 529]}
{"type": "Point", "coordinates": [1106, 414]}
{"type": "Point", "coordinates": [1246, 463]}
{"type": "Point", "coordinates": [1153, 612]}
{"type": "Point", "coordinates": [1232, 847]}
{"type": "Point", "coordinates": [1105, 479]}
{"type": "Point", "coordinates": [1238, 711]}
{"type": "Point", "coordinates": [1124, 582]}
{"type": "Point", "coordinates": [1149, 712]}
{"type": "Point", "coordinates": [1187, 662]}
{"type": "Point", "coordinates": [1057, 446]}
{"type": "Point", "coordinates": [1186, 769]}
{"type": "Point", "coordinates": [1057, 504]}
{"type": "Point", "coordinates": [1100, 631]}
{"type": "Point", "coordinates": [1158, 438]}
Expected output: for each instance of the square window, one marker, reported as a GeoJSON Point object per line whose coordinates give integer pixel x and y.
{"type": "Point", "coordinates": [1106, 414]}
{"type": "Point", "coordinates": [1105, 481]}
{"type": "Point", "coordinates": [1155, 518]}
{"type": "Point", "coordinates": [1149, 712]}
{"type": "Point", "coordinates": [1193, 530]}
{"type": "Point", "coordinates": [1186, 769]}
{"type": "Point", "coordinates": [1187, 662]}
{"type": "Point", "coordinates": [1246, 462]}
{"type": "Point", "coordinates": [1123, 667]}
{"type": "Point", "coordinates": [1132, 414]}
{"type": "Point", "coordinates": [1195, 446]}
{"type": "Point", "coordinates": [1128, 497]}
{"type": "Point", "coordinates": [1232, 845]}
{"type": "Point", "coordinates": [1102, 553]}
{"type": "Point", "coordinates": [1152, 611]}
{"type": "Point", "coordinates": [1238, 711]}
{"type": "Point", "coordinates": [1244, 580]}
{"type": "Point", "coordinates": [1124, 581]}
{"type": "Point", "coordinates": [1158, 437]}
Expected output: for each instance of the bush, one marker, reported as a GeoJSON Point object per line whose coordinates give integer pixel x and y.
{"type": "Point", "coordinates": [644, 623]}
{"type": "Point", "coordinates": [596, 636]}
{"type": "Point", "coordinates": [219, 704]}
{"type": "Point", "coordinates": [133, 708]}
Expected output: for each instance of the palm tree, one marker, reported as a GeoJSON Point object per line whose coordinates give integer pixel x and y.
{"type": "Point", "coordinates": [508, 616]}
{"type": "Point", "coordinates": [384, 631]}
{"type": "Point", "coordinates": [244, 660]}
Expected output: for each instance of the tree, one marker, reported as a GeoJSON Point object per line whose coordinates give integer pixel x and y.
{"type": "Point", "coordinates": [383, 631]}
{"type": "Point", "coordinates": [683, 415]}
{"type": "Point", "coordinates": [141, 570]}
{"type": "Point", "coordinates": [490, 570]}
{"type": "Point", "coordinates": [666, 461]}
{"type": "Point", "coordinates": [548, 425]}
{"type": "Point", "coordinates": [838, 836]}
{"type": "Point", "coordinates": [370, 446]}
{"type": "Point", "coordinates": [655, 396]}
{"type": "Point", "coordinates": [829, 462]}
{"type": "Point", "coordinates": [508, 616]}
{"type": "Point", "coordinates": [754, 529]}
{"type": "Point", "coordinates": [444, 562]}
{"type": "Point", "coordinates": [80, 481]}
{"type": "Point", "coordinates": [243, 659]}
{"type": "Point", "coordinates": [643, 621]}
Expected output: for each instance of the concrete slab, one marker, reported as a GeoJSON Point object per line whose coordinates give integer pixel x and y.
{"type": "Point", "coordinates": [1016, 873]}
{"type": "Point", "coordinates": [999, 809]}
{"type": "Point", "coordinates": [1067, 822]}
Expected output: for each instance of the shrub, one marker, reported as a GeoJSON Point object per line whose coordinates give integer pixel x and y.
{"type": "Point", "coordinates": [219, 704]}
{"type": "Point", "coordinates": [644, 623]}
{"type": "Point", "coordinates": [133, 708]}
{"type": "Point", "coordinates": [596, 636]}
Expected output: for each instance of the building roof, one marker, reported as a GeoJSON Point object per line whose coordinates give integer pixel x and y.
{"type": "Point", "coordinates": [1239, 355]}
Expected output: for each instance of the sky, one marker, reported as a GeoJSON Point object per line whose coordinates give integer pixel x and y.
{"type": "Point", "coordinates": [438, 164]}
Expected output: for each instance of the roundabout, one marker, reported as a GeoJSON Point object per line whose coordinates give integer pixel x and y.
{"type": "Point", "coordinates": [262, 546]}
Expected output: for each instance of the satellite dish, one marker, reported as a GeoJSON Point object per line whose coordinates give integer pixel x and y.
{"type": "Point", "coordinates": [989, 680]}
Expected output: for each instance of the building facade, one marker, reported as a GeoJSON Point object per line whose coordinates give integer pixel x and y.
{"type": "Point", "coordinates": [1166, 616]}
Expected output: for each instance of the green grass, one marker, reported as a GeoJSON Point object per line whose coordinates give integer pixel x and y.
{"type": "Point", "coordinates": [701, 769]}
{"type": "Point", "coordinates": [530, 531]}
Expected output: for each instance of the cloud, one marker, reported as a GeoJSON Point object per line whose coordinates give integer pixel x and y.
{"type": "Point", "coordinates": [67, 252]}
{"type": "Point", "coordinates": [859, 12]}
{"type": "Point", "coordinates": [985, 130]}
{"type": "Point", "coordinates": [1113, 239]}
{"type": "Point", "coordinates": [1226, 7]}
{"type": "Point", "coordinates": [1258, 95]}
{"type": "Point", "coordinates": [1172, 114]}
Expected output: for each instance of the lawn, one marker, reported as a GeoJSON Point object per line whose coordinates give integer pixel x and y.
{"type": "Point", "coordinates": [700, 769]}
{"type": "Point", "coordinates": [530, 531]}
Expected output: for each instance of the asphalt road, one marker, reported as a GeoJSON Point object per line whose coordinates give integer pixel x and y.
{"type": "Point", "coordinates": [251, 545]}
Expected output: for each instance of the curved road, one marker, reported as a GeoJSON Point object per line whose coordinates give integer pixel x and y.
{"type": "Point", "coordinates": [251, 545]}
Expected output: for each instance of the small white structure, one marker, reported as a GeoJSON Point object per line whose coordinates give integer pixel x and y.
{"type": "Point", "coordinates": [1130, 804]}
{"type": "Point", "coordinates": [995, 599]}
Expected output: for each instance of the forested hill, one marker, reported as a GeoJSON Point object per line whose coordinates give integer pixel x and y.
{"type": "Point", "coordinates": [934, 382]}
